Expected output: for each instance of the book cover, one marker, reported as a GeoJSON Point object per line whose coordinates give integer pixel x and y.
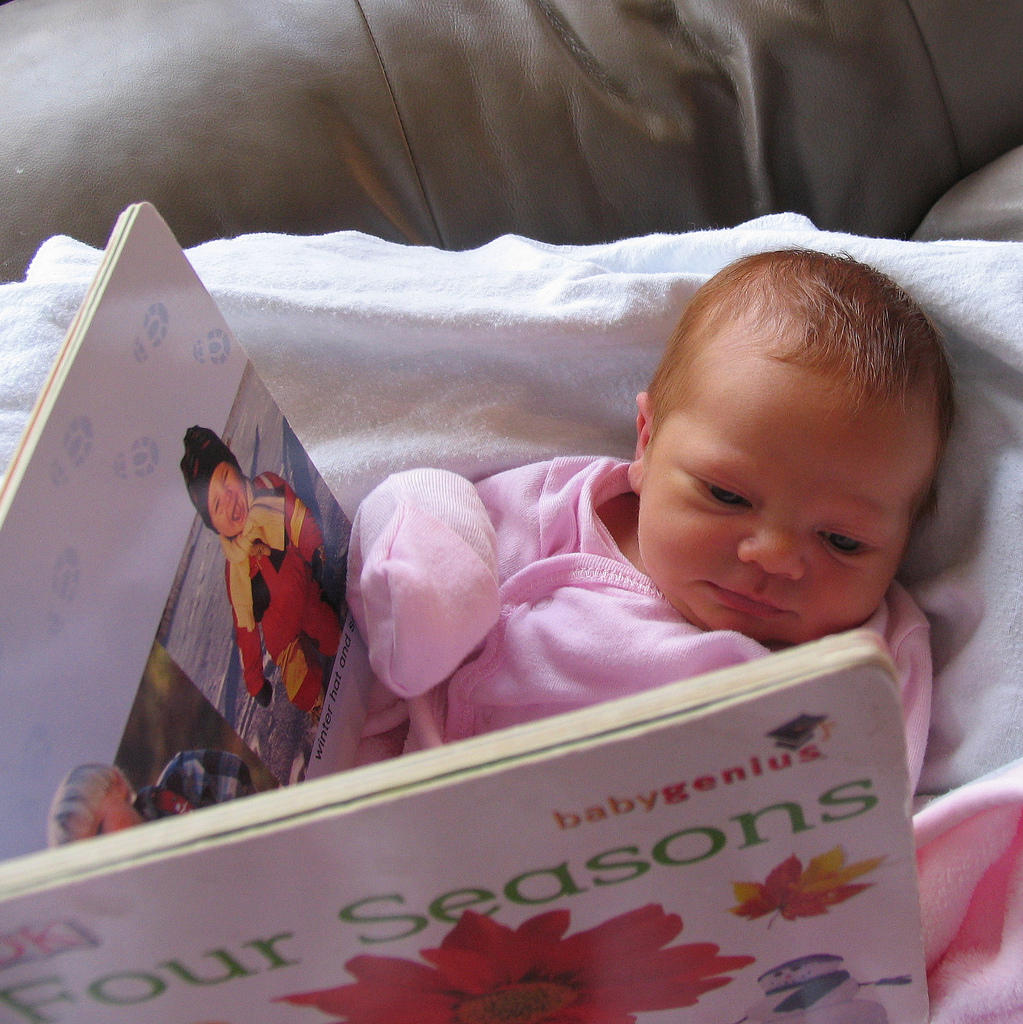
{"type": "Point", "coordinates": [731, 848]}
{"type": "Point", "coordinates": [137, 630]}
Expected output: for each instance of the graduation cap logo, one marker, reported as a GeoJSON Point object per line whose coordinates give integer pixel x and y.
{"type": "Point", "coordinates": [798, 732]}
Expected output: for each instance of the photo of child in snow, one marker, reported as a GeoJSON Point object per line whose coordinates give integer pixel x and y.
{"type": "Point", "coordinates": [246, 644]}
{"type": "Point", "coordinates": [228, 703]}
{"type": "Point", "coordinates": [274, 556]}
{"type": "Point", "coordinates": [255, 611]}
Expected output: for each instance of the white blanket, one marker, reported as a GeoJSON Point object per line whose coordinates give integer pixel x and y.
{"type": "Point", "coordinates": [385, 356]}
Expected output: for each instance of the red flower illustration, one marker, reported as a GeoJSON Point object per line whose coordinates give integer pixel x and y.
{"type": "Point", "coordinates": [488, 973]}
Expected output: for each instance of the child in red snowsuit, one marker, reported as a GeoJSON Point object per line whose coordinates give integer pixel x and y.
{"type": "Point", "coordinates": [274, 549]}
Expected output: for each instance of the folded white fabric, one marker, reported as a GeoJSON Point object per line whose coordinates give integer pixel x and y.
{"type": "Point", "coordinates": [386, 357]}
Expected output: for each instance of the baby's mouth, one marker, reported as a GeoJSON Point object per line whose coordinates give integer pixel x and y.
{"type": "Point", "coordinates": [746, 603]}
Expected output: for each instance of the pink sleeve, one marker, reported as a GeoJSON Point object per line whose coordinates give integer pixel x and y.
{"type": "Point", "coordinates": [422, 577]}
{"type": "Point", "coordinates": [908, 636]}
{"type": "Point", "coordinates": [512, 499]}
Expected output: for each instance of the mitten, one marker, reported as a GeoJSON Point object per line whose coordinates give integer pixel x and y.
{"type": "Point", "coordinates": [422, 577]}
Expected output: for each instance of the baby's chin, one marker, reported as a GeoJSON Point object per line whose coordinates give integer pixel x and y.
{"type": "Point", "coordinates": [774, 635]}
{"type": "Point", "coordinates": [711, 608]}
{"type": "Point", "coordinates": [798, 637]}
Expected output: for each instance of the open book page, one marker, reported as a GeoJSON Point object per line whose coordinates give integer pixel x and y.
{"type": "Point", "coordinates": [133, 631]}
{"type": "Point", "coordinates": [721, 849]}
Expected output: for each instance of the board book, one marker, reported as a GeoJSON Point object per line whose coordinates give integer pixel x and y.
{"type": "Point", "coordinates": [732, 848]}
{"type": "Point", "coordinates": [118, 638]}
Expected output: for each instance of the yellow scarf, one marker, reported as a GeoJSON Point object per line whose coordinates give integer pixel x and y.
{"type": "Point", "coordinates": [264, 527]}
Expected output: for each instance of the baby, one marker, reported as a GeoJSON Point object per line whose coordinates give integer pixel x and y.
{"type": "Point", "coordinates": [787, 444]}
{"type": "Point", "coordinates": [94, 799]}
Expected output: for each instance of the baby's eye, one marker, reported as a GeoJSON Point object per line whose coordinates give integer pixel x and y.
{"type": "Point", "coordinates": [841, 543]}
{"type": "Point", "coordinates": [726, 497]}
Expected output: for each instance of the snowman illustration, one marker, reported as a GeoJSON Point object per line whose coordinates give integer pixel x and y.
{"type": "Point", "coordinates": [817, 989]}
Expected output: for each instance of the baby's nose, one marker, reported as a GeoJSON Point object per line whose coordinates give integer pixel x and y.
{"type": "Point", "coordinates": [776, 551]}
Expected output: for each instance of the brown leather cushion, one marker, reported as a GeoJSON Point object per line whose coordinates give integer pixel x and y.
{"type": "Point", "coordinates": [987, 204]}
{"type": "Point", "coordinates": [451, 123]}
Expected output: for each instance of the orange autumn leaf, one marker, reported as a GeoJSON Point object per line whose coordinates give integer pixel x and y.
{"type": "Point", "coordinates": [792, 891]}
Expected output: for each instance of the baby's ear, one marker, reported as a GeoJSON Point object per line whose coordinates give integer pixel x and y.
{"type": "Point", "coordinates": [642, 440]}
{"type": "Point", "coordinates": [642, 423]}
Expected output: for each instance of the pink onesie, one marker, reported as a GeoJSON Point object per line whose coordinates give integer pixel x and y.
{"type": "Point", "coordinates": [513, 595]}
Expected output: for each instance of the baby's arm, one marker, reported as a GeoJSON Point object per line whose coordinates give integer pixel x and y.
{"type": "Point", "coordinates": [422, 577]}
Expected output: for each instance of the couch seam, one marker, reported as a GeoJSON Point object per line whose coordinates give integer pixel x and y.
{"type": "Point", "coordinates": [579, 51]}
{"type": "Point", "coordinates": [911, 10]}
{"type": "Point", "coordinates": [401, 122]}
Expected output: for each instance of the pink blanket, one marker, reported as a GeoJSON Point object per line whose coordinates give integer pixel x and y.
{"type": "Point", "coordinates": [970, 857]}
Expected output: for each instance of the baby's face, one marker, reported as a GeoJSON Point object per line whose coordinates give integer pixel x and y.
{"type": "Point", "coordinates": [117, 812]}
{"type": "Point", "coordinates": [767, 505]}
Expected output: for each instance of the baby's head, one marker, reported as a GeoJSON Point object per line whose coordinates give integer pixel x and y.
{"type": "Point", "coordinates": [787, 444]}
{"type": "Point", "coordinates": [93, 799]}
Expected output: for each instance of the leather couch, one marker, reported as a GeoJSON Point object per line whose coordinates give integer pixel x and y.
{"type": "Point", "coordinates": [449, 122]}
